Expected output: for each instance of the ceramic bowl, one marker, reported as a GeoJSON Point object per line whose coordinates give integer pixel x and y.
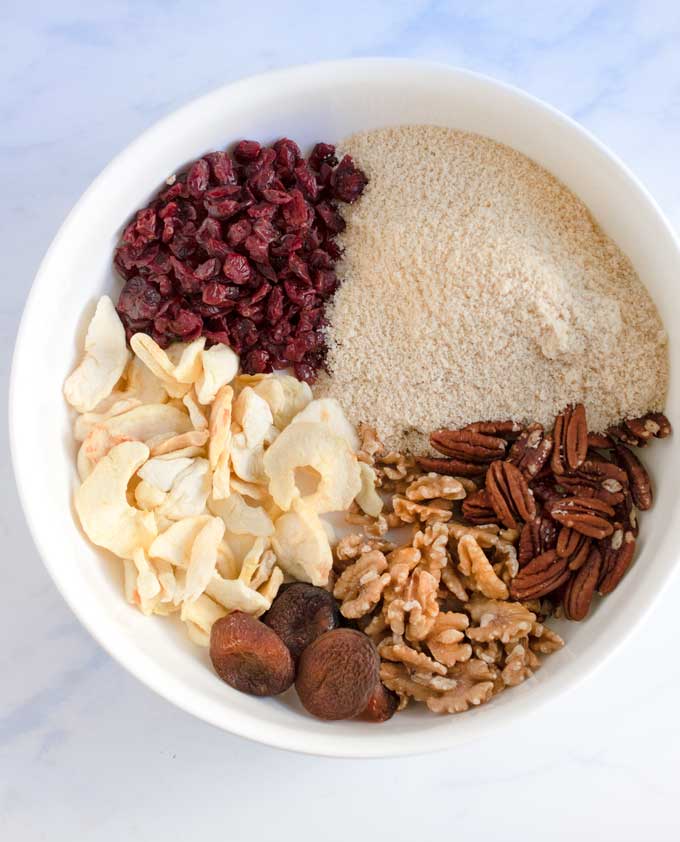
{"type": "Point", "coordinates": [317, 102]}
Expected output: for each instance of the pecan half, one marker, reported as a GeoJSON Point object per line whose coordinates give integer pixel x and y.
{"type": "Point", "coordinates": [502, 429]}
{"type": "Point", "coordinates": [467, 445]}
{"type": "Point", "coordinates": [573, 546]}
{"type": "Point", "coordinates": [618, 552]}
{"type": "Point", "coordinates": [652, 424]}
{"type": "Point", "coordinates": [621, 433]}
{"type": "Point", "coordinates": [541, 576]}
{"type": "Point", "coordinates": [638, 478]}
{"type": "Point", "coordinates": [544, 490]}
{"type": "Point", "coordinates": [477, 507]}
{"type": "Point", "coordinates": [584, 514]}
{"type": "Point", "coordinates": [571, 439]}
{"type": "Point", "coordinates": [579, 487]}
{"type": "Point", "coordinates": [626, 513]}
{"type": "Point", "coordinates": [537, 536]}
{"type": "Point", "coordinates": [599, 441]}
{"type": "Point", "coordinates": [581, 589]}
{"type": "Point", "coordinates": [531, 450]}
{"type": "Point", "coordinates": [450, 467]}
{"type": "Point", "coordinates": [509, 494]}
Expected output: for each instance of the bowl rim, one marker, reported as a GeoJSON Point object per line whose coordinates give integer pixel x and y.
{"type": "Point", "coordinates": [250, 726]}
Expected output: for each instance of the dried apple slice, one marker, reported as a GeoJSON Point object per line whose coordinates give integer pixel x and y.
{"type": "Point", "coordinates": [301, 545]}
{"type": "Point", "coordinates": [106, 357]}
{"type": "Point", "coordinates": [102, 506]}
{"type": "Point", "coordinates": [315, 446]}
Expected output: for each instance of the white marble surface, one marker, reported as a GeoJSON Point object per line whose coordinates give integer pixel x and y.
{"type": "Point", "coordinates": [85, 750]}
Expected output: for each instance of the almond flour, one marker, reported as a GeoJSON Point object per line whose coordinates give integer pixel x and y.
{"type": "Point", "coordinates": [476, 285]}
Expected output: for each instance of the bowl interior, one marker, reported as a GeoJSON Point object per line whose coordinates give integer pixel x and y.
{"type": "Point", "coordinates": [323, 102]}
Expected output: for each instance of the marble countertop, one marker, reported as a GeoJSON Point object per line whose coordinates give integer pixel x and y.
{"type": "Point", "coordinates": [88, 752]}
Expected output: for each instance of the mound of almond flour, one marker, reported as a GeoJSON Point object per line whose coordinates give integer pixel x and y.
{"type": "Point", "coordinates": [477, 286]}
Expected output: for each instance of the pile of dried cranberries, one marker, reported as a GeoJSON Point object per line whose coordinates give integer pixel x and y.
{"type": "Point", "coordinates": [241, 249]}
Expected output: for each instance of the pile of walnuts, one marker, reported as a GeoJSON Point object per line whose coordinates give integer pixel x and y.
{"type": "Point", "coordinates": [437, 605]}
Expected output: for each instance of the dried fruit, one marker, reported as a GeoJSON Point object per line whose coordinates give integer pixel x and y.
{"type": "Point", "coordinates": [300, 614]}
{"type": "Point", "coordinates": [249, 656]}
{"type": "Point", "coordinates": [241, 250]}
{"type": "Point", "coordinates": [337, 674]}
{"type": "Point", "coordinates": [381, 706]}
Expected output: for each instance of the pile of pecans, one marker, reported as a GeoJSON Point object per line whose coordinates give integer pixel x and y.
{"type": "Point", "coordinates": [573, 494]}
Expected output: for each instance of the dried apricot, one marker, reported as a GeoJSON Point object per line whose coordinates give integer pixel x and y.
{"type": "Point", "coordinates": [300, 614]}
{"type": "Point", "coordinates": [337, 674]}
{"type": "Point", "coordinates": [250, 656]}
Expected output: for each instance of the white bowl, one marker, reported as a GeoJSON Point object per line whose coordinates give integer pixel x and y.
{"type": "Point", "coordinates": [319, 102]}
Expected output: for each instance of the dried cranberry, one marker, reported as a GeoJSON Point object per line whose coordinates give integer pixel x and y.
{"type": "Point", "coordinates": [256, 281]}
{"type": "Point", "coordinates": [262, 210]}
{"type": "Point", "coordinates": [139, 299]}
{"type": "Point", "coordinates": [325, 282]}
{"type": "Point", "coordinates": [257, 249]}
{"type": "Point", "coordinates": [348, 181]}
{"type": "Point", "coordinates": [236, 268]}
{"type": "Point", "coordinates": [215, 337]}
{"type": "Point", "coordinates": [265, 230]}
{"type": "Point", "coordinates": [185, 276]}
{"type": "Point", "coordinates": [175, 191]}
{"type": "Point", "coordinates": [208, 269]}
{"type": "Point", "coordinates": [296, 212]}
{"type": "Point", "coordinates": [306, 180]}
{"type": "Point", "coordinates": [216, 294]}
{"type": "Point", "coordinates": [287, 244]}
{"type": "Point", "coordinates": [331, 218]}
{"type": "Point", "coordinates": [287, 153]}
{"type": "Point", "coordinates": [238, 231]}
{"type": "Point", "coordinates": [197, 179]}
{"type": "Point", "coordinates": [304, 372]}
{"type": "Point", "coordinates": [276, 197]}
{"type": "Point", "coordinates": [222, 167]}
{"type": "Point", "coordinates": [186, 325]}
{"type": "Point", "coordinates": [322, 153]}
{"type": "Point", "coordinates": [219, 204]}
{"type": "Point", "coordinates": [298, 266]}
{"type": "Point", "coordinates": [246, 151]}
{"type": "Point", "coordinates": [256, 362]}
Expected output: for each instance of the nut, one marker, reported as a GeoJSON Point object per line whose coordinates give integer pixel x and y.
{"type": "Point", "coordinates": [540, 576]}
{"type": "Point", "coordinates": [477, 507]}
{"type": "Point", "coordinates": [468, 446]}
{"type": "Point", "coordinates": [509, 494]}
{"type": "Point", "coordinates": [584, 514]}
{"type": "Point", "coordinates": [638, 478]}
{"type": "Point", "coordinates": [616, 559]}
{"type": "Point", "coordinates": [531, 450]}
{"type": "Point", "coordinates": [571, 439]}
{"type": "Point", "coordinates": [450, 467]}
{"type": "Point", "coordinates": [581, 589]}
